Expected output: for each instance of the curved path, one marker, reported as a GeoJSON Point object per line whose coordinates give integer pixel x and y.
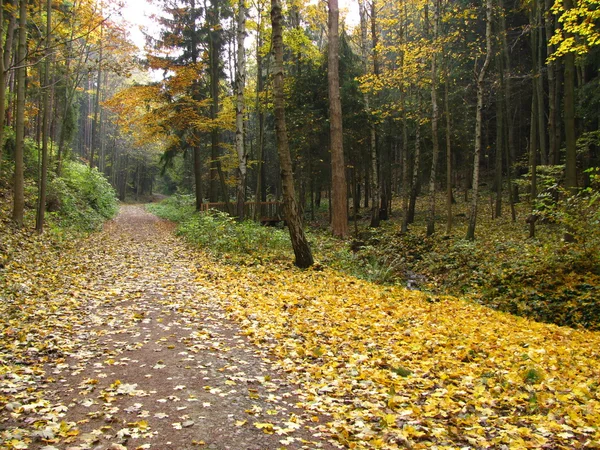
{"type": "Point", "coordinates": [154, 362]}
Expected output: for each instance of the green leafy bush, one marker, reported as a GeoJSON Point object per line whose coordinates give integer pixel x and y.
{"type": "Point", "coordinates": [81, 198]}
{"type": "Point", "coordinates": [222, 234]}
{"type": "Point", "coordinates": [176, 208]}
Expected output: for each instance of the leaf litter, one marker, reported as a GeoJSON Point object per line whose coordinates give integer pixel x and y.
{"type": "Point", "coordinates": [372, 366]}
{"type": "Point", "coordinates": [112, 344]}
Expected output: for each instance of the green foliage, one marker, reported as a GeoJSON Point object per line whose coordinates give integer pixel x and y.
{"type": "Point", "coordinates": [81, 198]}
{"type": "Point", "coordinates": [176, 208]}
{"type": "Point", "coordinates": [247, 241]}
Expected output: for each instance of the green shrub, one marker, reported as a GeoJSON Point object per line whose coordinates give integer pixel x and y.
{"type": "Point", "coordinates": [81, 198]}
{"type": "Point", "coordinates": [176, 208]}
{"type": "Point", "coordinates": [221, 233]}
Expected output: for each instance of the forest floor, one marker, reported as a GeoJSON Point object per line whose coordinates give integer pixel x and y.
{"type": "Point", "coordinates": [129, 351]}
{"type": "Point", "coordinates": [132, 339]}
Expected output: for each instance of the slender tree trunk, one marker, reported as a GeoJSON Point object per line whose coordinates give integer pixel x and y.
{"type": "Point", "coordinates": [300, 244]}
{"type": "Point", "coordinates": [434, 126]}
{"type": "Point", "coordinates": [5, 57]}
{"type": "Point", "coordinates": [213, 55]}
{"type": "Point", "coordinates": [96, 122]}
{"type": "Point", "coordinates": [552, 99]}
{"type": "Point", "coordinates": [39, 223]}
{"type": "Point", "coordinates": [478, 119]}
{"type": "Point", "coordinates": [414, 189]}
{"type": "Point", "coordinates": [510, 149]}
{"type": "Point", "coordinates": [538, 79]}
{"type": "Point", "coordinates": [499, 151]}
{"type": "Point", "coordinates": [198, 176]}
{"type": "Point", "coordinates": [405, 175]}
{"type": "Point", "coordinates": [339, 223]}
{"type": "Point", "coordinates": [533, 147]}
{"type": "Point", "coordinates": [375, 176]}
{"type": "Point", "coordinates": [569, 114]}
{"type": "Point", "coordinates": [19, 195]}
{"type": "Point", "coordinates": [448, 155]}
{"type": "Point", "coordinates": [240, 83]}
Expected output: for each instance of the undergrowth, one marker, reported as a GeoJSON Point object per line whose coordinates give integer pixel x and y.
{"type": "Point", "coordinates": [546, 278]}
{"type": "Point", "coordinates": [223, 235]}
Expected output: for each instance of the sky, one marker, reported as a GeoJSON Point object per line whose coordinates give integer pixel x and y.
{"type": "Point", "coordinates": [138, 12]}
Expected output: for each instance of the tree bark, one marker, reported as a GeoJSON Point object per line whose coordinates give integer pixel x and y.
{"type": "Point", "coordinates": [213, 56]}
{"type": "Point", "coordinates": [39, 222]}
{"type": "Point", "coordinates": [375, 178]}
{"type": "Point", "coordinates": [533, 147]}
{"type": "Point", "coordinates": [339, 222]}
{"type": "Point", "coordinates": [198, 176]}
{"type": "Point", "coordinates": [300, 244]}
{"type": "Point", "coordinates": [434, 125]}
{"type": "Point", "coordinates": [19, 195]}
{"type": "Point", "coordinates": [5, 57]}
{"type": "Point", "coordinates": [553, 143]}
{"type": "Point", "coordinates": [240, 83]}
{"type": "Point", "coordinates": [478, 119]}
{"type": "Point", "coordinates": [448, 156]}
{"type": "Point", "coordinates": [569, 114]}
{"type": "Point", "coordinates": [414, 187]}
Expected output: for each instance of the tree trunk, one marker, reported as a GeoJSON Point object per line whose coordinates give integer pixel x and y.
{"type": "Point", "coordinates": [240, 83]}
{"type": "Point", "coordinates": [569, 114]}
{"type": "Point", "coordinates": [499, 151]}
{"type": "Point", "coordinates": [375, 178]}
{"type": "Point", "coordinates": [478, 119]}
{"type": "Point", "coordinates": [414, 188]}
{"type": "Point", "coordinates": [533, 146]}
{"type": "Point", "coordinates": [39, 223]}
{"type": "Point", "coordinates": [19, 195]}
{"type": "Point", "coordinates": [198, 176]}
{"type": "Point", "coordinates": [300, 244]}
{"type": "Point", "coordinates": [405, 175]}
{"type": "Point", "coordinates": [95, 123]}
{"type": "Point", "coordinates": [339, 222]}
{"type": "Point", "coordinates": [448, 156]}
{"type": "Point", "coordinates": [5, 57]}
{"type": "Point", "coordinates": [434, 126]}
{"type": "Point", "coordinates": [539, 81]}
{"type": "Point", "coordinates": [553, 143]}
{"type": "Point", "coordinates": [213, 57]}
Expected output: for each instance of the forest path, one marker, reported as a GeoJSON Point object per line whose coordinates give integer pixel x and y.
{"type": "Point", "coordinates": [154, 362]}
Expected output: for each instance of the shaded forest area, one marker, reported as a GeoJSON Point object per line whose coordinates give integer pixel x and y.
{"type": "Point", "coordinates": [412, 127]}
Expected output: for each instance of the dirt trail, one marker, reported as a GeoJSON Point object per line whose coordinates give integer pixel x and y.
{"type": "Point", "coordinates": [155, 361]}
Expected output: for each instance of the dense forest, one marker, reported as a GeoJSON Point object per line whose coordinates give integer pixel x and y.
{"type": "Point", "coordinates": [436, 112]}
{"type": "Point", "coordinates": [434, 97]}
{"type": "Point", "coordinates": [360, 198]}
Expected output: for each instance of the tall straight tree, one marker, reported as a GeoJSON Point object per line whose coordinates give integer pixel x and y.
{"type": "Point", "coordinates": [5, 58]}
{"type": "Point", "coordinates": [375, 178]}
{"type": "Point", "coordinates": [19, 195]}
{"type": "Point", "coordinates": [300, 244]}
{"type": "Point", "coordinates": [339, 189]}
{"type": "Point", "coordinates": [478, 118]}
{"type": "Point", "coordinates": [569, 113]}
{"type": "Point", "coordinates": [39, 222]}
{"type": "Point", "coordinates": [434, 121]}
{"type": "Point", "coordinates": [240, 83]}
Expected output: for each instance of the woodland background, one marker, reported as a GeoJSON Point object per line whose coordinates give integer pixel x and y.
{"type": "Point", "coordinates": [450, 114]}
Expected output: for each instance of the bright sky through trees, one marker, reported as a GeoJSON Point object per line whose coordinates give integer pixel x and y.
{"type": "Point", "coordinates": [138, 12]}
